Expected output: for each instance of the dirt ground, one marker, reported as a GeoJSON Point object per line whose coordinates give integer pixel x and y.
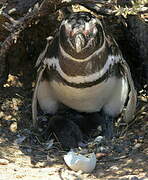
{"type": "Point", "coordinates": [26, 156]}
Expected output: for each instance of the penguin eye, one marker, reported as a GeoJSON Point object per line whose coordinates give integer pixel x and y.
{"type": "Point", "coordinates": [91, 32]}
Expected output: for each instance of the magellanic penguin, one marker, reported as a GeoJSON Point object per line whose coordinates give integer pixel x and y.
{"type": "Point", "coordinates": [83, 68]}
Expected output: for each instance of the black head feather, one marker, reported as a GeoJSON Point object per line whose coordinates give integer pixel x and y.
{"type": "Point", "coordinates": [81, 34]}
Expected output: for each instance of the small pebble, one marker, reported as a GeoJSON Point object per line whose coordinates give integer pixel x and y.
{"type": "Point", "coordinates": [114, 168]}
{"type": "Point", "coordinates": [134, 178]}
{"type": "Point", "coordinates": [100, 155]}
{"type": "Point", "coordinates": [4, 162]}
{"type": "Point", "coordinates": [99, 139]}
{"type": "Point", "coordinates": [138, 145]}
{"type": "Point", "coordinates": [13, 127]}
{"type": "Point", "coordinates": [40, 164]}
{"type": "Point", "coordinates": [28, 150]}
{"type": "Point", "coordinates": [102, 149]}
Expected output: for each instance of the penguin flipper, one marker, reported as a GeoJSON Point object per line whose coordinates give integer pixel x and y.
{"type": "Point", "coordinates": [130, 108]}
{"type": "Point", "coordinates": [34, 100]}
{"type": "Point", "coordinates": [41, 64]}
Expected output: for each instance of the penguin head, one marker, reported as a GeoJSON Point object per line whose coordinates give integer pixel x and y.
{"type": "Point", "coordinates": [81, 34]}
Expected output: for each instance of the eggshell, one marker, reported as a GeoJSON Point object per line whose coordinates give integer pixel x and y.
{"type": "Point", "coordinates": [79, 162]}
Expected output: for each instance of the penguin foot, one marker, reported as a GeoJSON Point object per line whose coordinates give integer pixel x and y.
{"type": "Point", "coordinates": [108, 127]}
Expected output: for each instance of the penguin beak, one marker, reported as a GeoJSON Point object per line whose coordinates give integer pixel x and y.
{"type": "Point", "coordinates": [79, 42]}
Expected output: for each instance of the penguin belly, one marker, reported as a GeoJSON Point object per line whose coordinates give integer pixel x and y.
{"type": "Point", "coordinates": [109, 94]}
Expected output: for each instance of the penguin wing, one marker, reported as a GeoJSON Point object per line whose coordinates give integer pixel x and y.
{"type": "Point", "coordinates": [42, 65]}
{"type": "Point", "coordinates": [130, 107]}
{"type": "Point", "coordinates": [34, 99]}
